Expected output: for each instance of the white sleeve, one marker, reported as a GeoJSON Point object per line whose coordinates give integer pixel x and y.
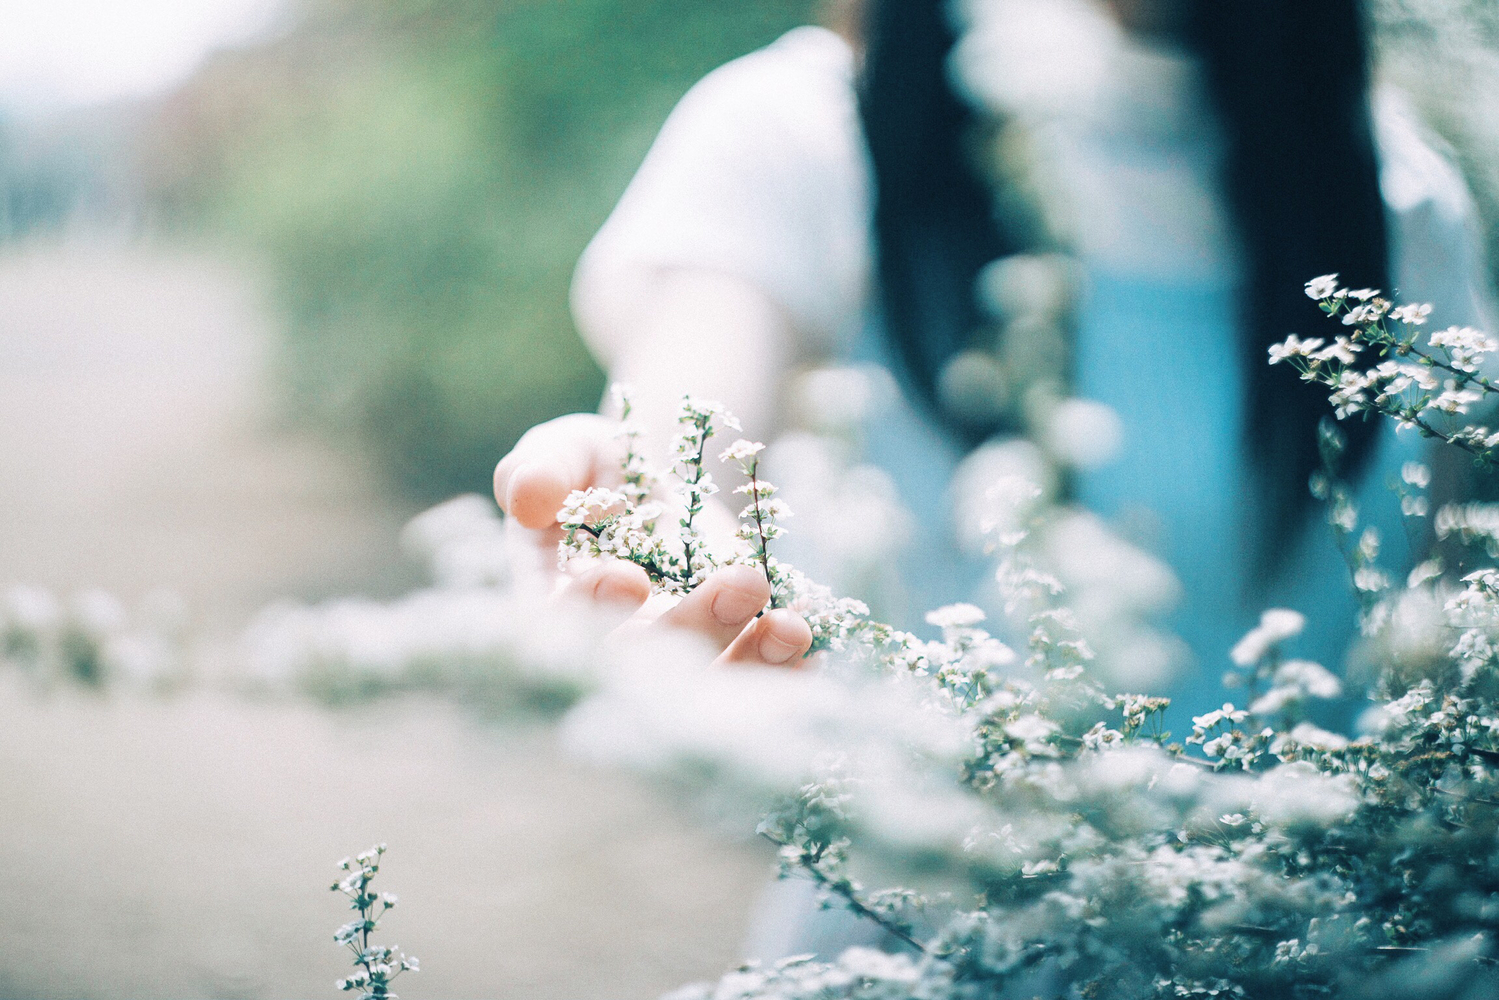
{"type": "Point", "coordinates": [1435, 248]}
{"type": "Point", "coordinates": [759, 173]}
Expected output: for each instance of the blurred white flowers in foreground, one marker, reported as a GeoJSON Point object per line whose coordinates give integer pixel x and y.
{"type": "Point", "coordinates": [1012, 821]}
{"type": "Point", "coordinates": [94, 639]}
{"type": "Point", "coordinates": [485, 629]}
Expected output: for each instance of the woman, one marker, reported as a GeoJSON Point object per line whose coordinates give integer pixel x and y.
{"type": "Point", "coordinates": [1230, 156]}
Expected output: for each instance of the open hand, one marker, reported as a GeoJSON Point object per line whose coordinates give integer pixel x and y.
{"type": "Point", "coordinates": [582, 450]}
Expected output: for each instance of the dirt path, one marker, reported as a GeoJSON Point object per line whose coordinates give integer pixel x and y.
{"type": "Point", "coordinates": [182, 847]}
{"type": "Point", "coordinates": [136, 449]}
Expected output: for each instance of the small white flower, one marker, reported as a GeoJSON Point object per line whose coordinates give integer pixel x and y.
{"type": "Point", "coordinates": [1217, 745]}
{"type": "Point", "coordinates": [1416, 474]}
{"type": "Point", "coordinates": [1341, 350]}
{"type": "Point", "coordinates": [1465, 346]}
{"type": "Point", "coordinates": [1415, 506]}
{"type": "Point", "coordinates": [1314, 736]}
{"type": "Point", "coordinates": [1275, 700]}
{"type": "Point", "coordinates": [1280, 624]}
{"type": "Point", "coordinates": [1366, 314]}
{"type": "Point", "coordinates": [1294, 347]}
{"type": "Point", "coordinates": [955, 616]}
{"type": "Point", "coordinates": [1322, 288]}
{"type": "Point", "coordinates": [1030, 728]}
{"type": "Point", "coordinates": [1371, 580]}
{"type": "Point", "coordinates": [1431, 569]}
{"type": "Point", "coordinates": [1455, 401]}
{"type": "Point", "coordinates": [759, 488]}
{"type": "Point", "coordinates": [1414, 314]}
{"type": "Point", "coordinates": [741, 451]}
{"type": "Point", "coordinates": [774, 509]}
{"type": "Point", "coordinates": [1312, 678]}
{"type": "Point", "coordinates": [1276, 626]}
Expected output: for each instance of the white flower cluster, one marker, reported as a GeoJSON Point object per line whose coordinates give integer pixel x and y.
{"type": "Point", "coordinates": [498, 648]}
{"type": "Point", "coordinates": [1087, 852]}
{"type": "Point", "coordinates": [1014, 825]}
{"type": "Point", "coordinates": [484, 630]}
{"type": "Point", "coordinates": [759, 522]}
{"type": "Point", "coordinates": [1062, 847]}
{"type": "Point", "coordinates": [858, 972]}
{"type": "Point", "coordinates": [93, 638]}
{"type": "Point", "coordinates": [376, 966]}
{"type": "Point", "coordinates": [1423, 385]}
{"type": "Point", "coordinates": [1470, 523]}
{"type": "Point", "coordinates": [623, 524]}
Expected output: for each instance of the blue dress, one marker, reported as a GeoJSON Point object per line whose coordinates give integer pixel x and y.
{"type": "Point", "coordinates": [1157, 343]}
{"type": "Point", "coordinates": [1165, 358]}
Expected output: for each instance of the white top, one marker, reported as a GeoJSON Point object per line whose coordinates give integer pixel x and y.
{"type": "Point", "coordinates": [760, 172]}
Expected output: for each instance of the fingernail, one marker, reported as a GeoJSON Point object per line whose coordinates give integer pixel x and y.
{"type": "Point", "coordinates": [732, 606]}
{"type": "Point", "coordinates": [620, 587]}
{"type": "Point", "coordinates": [774, 649]}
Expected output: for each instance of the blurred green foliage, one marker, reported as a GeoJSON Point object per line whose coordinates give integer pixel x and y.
{"type": "Point", "coordinates": [421, 176]}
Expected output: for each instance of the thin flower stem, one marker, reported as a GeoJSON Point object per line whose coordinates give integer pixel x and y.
{"type": "Point", "coordinates": [695, 498]}
{"type": "Point", "coordinates": [651, 567]}
{"type": "Point", "coordinates": [854, 902]}
{"type": "Point", "coordinates": [760, 530]}
{"type": "Point", "coordinates": [1463, 377]}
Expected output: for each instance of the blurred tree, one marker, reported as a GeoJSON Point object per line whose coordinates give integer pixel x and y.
{"type": "Point", "coordinates": [421, 176]}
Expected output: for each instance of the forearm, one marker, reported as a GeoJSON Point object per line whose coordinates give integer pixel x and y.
{"type": "Point", "coordinates": [699, 333]}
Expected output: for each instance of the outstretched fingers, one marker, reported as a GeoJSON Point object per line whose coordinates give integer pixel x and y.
{"type": "Point", "coordinates": [723, 611]}
{"type": "Point", "coordinates": [721, 606]}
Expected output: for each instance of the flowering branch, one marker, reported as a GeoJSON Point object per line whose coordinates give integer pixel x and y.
{"type": "Point", "coordinates": [691, 449]}
{"type": "Point", "coordinates": [1405, 386]}
{"type": "Point", "coordinates": [845, 890]}
{"type": "Point", "coordinates": [1268, 863]}
{"type": "Point", "coordinates": [757, 521]}
{"type": "Point", "coordinates": [378, 965]}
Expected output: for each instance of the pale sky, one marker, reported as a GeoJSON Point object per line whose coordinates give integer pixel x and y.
{"type": "Point", "coordinates": [72, 52]}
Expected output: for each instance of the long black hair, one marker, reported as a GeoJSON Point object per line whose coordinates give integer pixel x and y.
{"type": "Point", "coordinates": [1289, 80]}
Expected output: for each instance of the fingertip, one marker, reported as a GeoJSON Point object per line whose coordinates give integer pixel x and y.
{"type": "Point", "coordinates": [744, 576]}
{"type": "Point", "coordinates": [534, 493]}
{"type": "Point", "coordinates": [784, 637]}
{"type": "Point", "coordinates": [502, 471]}
{"type": "Point", "coordinates": [622, 584]}
{"type": "Point", "coordinates": [739, 594]}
